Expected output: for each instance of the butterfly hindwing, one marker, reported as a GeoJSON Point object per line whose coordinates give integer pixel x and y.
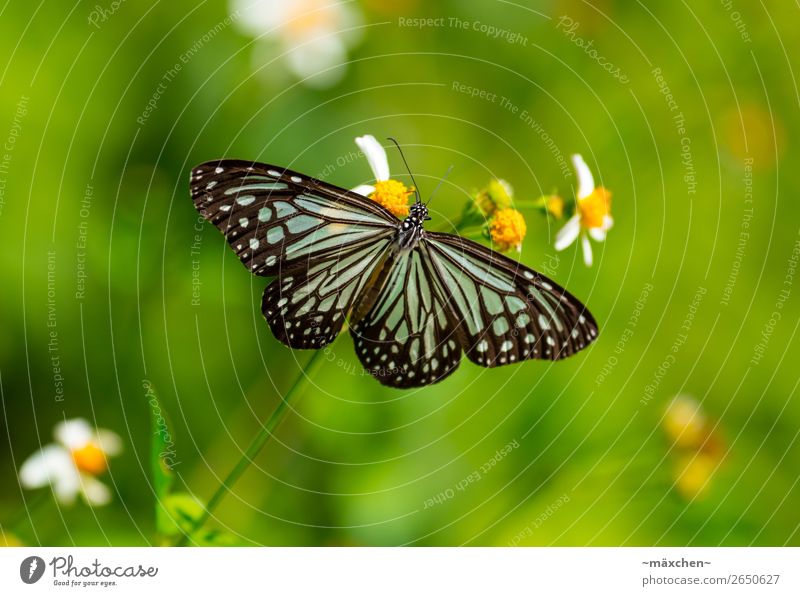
{"type": "Point", "coordinates": [508, 312]}
{"type": "Point", "coordinates": [408, 336]}
{"type": "Point", "coordinates": [276, 219]}
{"type": "Point", "coordinates": [307, 308]}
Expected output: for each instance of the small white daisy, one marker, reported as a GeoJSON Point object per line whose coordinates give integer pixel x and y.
{"type": "Point", "coordinates": [313, 35]}
{"type": "Point", "coordinates": [592, 214]}
{"type": "Point", "coordinates": [70, 465]}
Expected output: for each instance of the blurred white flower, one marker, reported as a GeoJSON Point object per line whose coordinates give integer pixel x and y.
{"type": "Point", "coordinates": [71, 464]}
{"type": "Point", "coordinates": [312, 35]}
{"type": "Point", "coordinates": [592, 214]}
{"type": "Point", "coordinates": [389, 193]}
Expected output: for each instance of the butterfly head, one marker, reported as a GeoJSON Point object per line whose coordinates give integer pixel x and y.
{"type": "Point", "coordinates": [417, 213]}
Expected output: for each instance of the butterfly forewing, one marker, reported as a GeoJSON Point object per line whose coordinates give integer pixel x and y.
{"type": "Point", "coordinates": [408, 336]}
{"type": "Point", "coordinates": [279, 220]}
{"type": "Point", "coordinates": [508, 312]}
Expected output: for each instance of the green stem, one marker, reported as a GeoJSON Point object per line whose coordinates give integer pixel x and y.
{"type": "Point", "coordinates": [255, 447]}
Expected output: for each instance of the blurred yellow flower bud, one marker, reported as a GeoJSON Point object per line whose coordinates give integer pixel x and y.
{"type": "Point", "coordinates": [685, 423]}
{"type": "Point", "coordinates": [495, 197]}
{"type": "Point", "coordinates": [8, 539]}
{"type": "Point", "coordinates": [693, 474]}
{"type": "Point", "coordinates": [552, 204]}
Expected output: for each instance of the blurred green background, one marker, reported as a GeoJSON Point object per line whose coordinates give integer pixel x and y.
{"type": "Point", "coordinates": [684, 289]}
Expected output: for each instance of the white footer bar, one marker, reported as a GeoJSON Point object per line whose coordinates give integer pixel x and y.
{"type": "Point", "coordinates": [401, 571]}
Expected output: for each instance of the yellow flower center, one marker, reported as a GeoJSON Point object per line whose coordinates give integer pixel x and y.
{"type": "Point", "coordinates": [594, 208]}
{"type": "Point", "coordinates": [507, 229]}
{"type": "Point", "coordinates": [90, 458]}
{"type": "Point", "coordinates": [392, 195]}
{"type": "Point", "coordinates": [307, 16]}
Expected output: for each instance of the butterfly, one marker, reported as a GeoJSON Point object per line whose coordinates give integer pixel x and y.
{"type": "Point", "coordinates": [414, 299]}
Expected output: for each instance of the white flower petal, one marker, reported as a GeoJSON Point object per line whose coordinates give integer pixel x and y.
{"type": "Point", "coordinates": [46, 466]}
{"type": "Point", "coordinates": [568, 233]}
{"type": "Point", "coordinates": [376, 156]}
{"type": "Point", "coordinates": [94, 492]}
{"type": "Point", "coordinates": [313, 60]}
{"type": "Point", "coordinates": [598, 234]}
{"type": "Point", "coordinates": [608, 222]}
{"type": "Point", "coordinates": [74, 434]}
{"type": "Point", "coordinates": [364, 189]}
{"type": "Point", "coordinates": [587, 250]}
{"type": "Point", "coordinates": [584, 174]}
{"type": "Point", "coordinates": [109, 442]}
{"type": "Point", "coordinates": [67, 486]}
{"type": "Point", "coordinates": [257, 17]}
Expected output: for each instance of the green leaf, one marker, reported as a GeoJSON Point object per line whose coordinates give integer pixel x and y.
{"type": "Point", "coordinates": [181, 512]}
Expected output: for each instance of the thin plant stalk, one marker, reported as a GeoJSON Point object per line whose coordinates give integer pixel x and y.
{"type": "Point", "coordinates": [254, 449]}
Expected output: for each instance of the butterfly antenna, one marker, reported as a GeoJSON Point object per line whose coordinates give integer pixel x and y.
{"type": "Point", "coordinates": [416, 188]}
{"type": "Point", "coordinates": [438, 186]}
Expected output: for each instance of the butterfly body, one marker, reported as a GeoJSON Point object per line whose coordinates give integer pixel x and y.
{"type": "Point", "coordinates": [415, 300]}
{"type": "Point", "coordinates": [412, 228]}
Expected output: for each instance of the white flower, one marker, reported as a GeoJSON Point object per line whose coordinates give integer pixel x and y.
{"type": "Point", "coordinates": [312, 35]}
{"type": "Point", "coordinates": [391, 194]}
{"type": "Point", "coordinates": [592, 214]}
{"type": "Point", "coordinates": [71, 464]}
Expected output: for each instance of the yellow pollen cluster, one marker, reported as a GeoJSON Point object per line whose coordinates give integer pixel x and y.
{"type": "Point", "coordinates": [595, 208]}
{"type": "Point", "coordinates": [507, 229]}
{"type": "Point", "coordinates": [392, 195]}
{"type": "Point", "coordinates": [90, 458]}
